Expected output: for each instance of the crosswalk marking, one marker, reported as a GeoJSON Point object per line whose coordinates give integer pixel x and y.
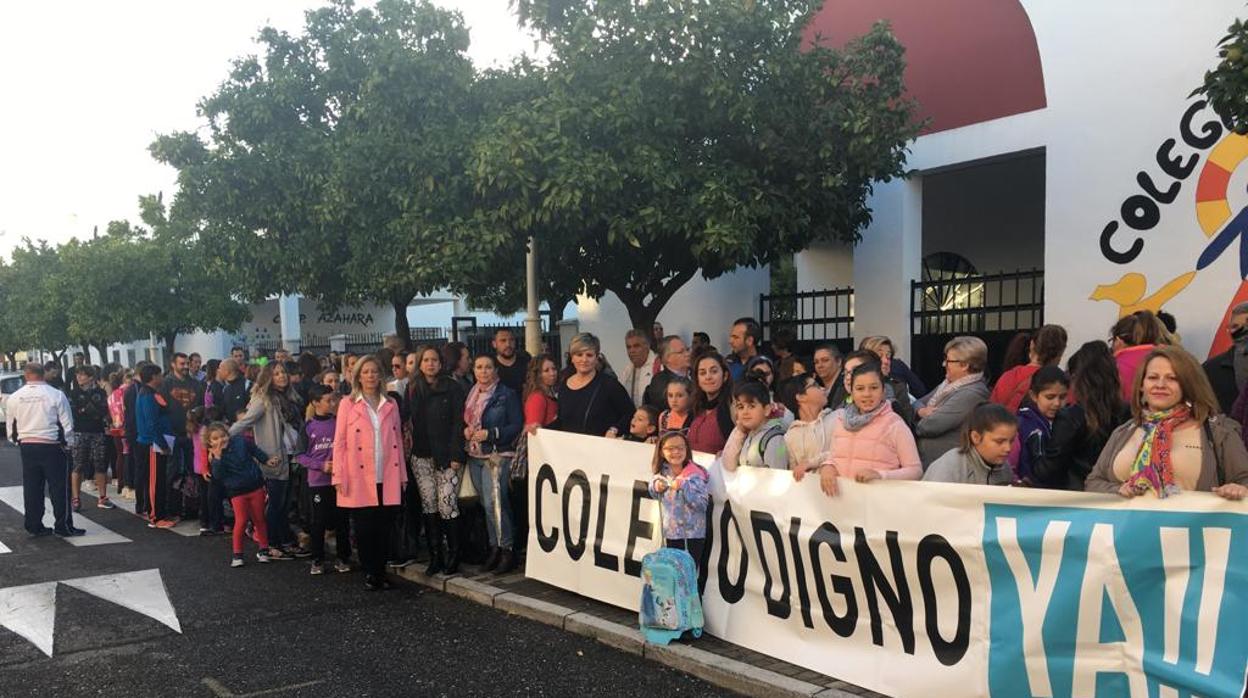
{"type": "Point", "coordinates": [96, 534]}
{"type": "Point", "coordinates": [4, 548]}
{"type": "Point", "coordinates": [185, 528]}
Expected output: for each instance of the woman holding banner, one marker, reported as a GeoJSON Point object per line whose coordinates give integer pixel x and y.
{"type": "Point", "coordinates": [1176, 441]}
{"type": "Point", "coordinates": [712, 404]}
{"type": "Point", "coordinates": [591, 401]}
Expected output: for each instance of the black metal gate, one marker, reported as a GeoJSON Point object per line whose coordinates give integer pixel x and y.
{"type": "Point", "coordinates": [812, 317]}
{"type": "Point", "coordinates": [993, 307]}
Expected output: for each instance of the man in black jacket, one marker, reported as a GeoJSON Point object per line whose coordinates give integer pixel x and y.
{"type": "Point", "coordinates": [675, 357]}
{"type": "Point", "coordinates": [1228, 371]}
{"type": "Point", "coordinates": [89, 404]}
{"type": "Point", "coordinates": [229, 392]}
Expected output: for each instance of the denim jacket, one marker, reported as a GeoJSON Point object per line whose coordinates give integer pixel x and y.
{"type": "Point", "coordinates": [503, 419]}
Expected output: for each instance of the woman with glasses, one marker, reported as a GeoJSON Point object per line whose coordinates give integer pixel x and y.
{"type": "Point", "coordinates": [942, 411]}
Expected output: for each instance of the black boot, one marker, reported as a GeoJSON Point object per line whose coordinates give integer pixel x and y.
{"type": "Point", "coordinates": [451, 528]}
{"type": "Point", "coordinates": [491, 560]}
{"type": "Point", "coordinates": [506, 562]}
{"type": "Point", "coordinates": [433, 539]}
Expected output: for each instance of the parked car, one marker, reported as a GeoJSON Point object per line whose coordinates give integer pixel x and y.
{"type": "Point", "coordinates": [10, 381]}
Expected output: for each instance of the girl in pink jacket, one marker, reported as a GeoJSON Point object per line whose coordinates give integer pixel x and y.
{"type": "Point", "coordinates": [367, 466]}
{"type": "Point", "coordinates": [869, 440]}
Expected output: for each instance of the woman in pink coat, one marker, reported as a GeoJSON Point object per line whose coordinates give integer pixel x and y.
{"type": "Point", "coordinates": [869, 440]}
{"type": "Point", "coordinates": [367, 466]}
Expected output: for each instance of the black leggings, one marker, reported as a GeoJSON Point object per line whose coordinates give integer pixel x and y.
{"type": "Point", "coordinates": [372, 535]}
{"type": "Point", "coordinates": [694, 546]}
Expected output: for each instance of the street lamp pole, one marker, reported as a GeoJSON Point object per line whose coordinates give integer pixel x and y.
{"type": "Point", "coordinates": [532, 323]}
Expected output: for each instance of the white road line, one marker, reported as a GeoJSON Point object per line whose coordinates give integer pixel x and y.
{"type": "Point", "coordinates": [96, 534]}
{"type": "Point", "coordinates": [4, 548]}
{"type": "Point", "coordinates": [187, 528]}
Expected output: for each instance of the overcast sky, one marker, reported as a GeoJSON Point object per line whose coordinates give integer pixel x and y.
{"type": "Point", "coordinates": [85, 86]}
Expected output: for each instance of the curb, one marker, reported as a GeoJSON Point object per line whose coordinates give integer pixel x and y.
{"type": "Point", "coordinates": [724, 672]}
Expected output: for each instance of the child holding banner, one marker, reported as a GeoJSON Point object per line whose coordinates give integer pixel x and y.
{"type": "Point", "coordinates": [683, 490]}
{"type": "Point", "coordinates": [987, 437]}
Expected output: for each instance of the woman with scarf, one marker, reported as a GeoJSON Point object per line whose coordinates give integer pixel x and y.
{"type": "Point", "coordinates": [869, 440]}
{"type": "Point", "coordinates": [275, 416]}
{"type": "Point", "coordinates": [1176, 440]}
{"type": "Point", "coordinates": [808, 440]}
{"type": "Point", "coordinates": [942, 411]}
{"type": "Point", "coordinates": [493, 419]}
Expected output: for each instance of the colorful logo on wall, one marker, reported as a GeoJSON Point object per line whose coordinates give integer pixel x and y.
{"type": "Point", "coordinates": [1222, 226]}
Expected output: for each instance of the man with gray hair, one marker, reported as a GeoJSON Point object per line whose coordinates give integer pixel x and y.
{"type": "Point", "coordinates": [675, 356]}
{"type": "Point", "coordinates": [40, 420]}
{"type": "Point", "coordinates": [1228, 371]}
{"type": "Point", "coordinates": [639, 371]}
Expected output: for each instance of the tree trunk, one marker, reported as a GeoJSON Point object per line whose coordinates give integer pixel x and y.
{"type": "Point", "coordinates": [556, 312]}
{"type": "Point", "coordinates": [402, 327]}
{"type": "Point", "coordinates": [168, 339]}
{"type": "Point", "coordinates": [102, 348]}
{"type": "Point", "coordinates": [12, 359]}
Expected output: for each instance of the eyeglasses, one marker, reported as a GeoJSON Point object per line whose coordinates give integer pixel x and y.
{"type": "Point", "coordinates": [396, 365]}
{"type": "Point", "coordinates": [946, 362]}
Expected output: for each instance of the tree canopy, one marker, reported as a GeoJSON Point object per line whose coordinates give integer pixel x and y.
{"type": "Point", "coordinates": [678, 137]}
{"type": "Point", "coordinates": [1226, 85]}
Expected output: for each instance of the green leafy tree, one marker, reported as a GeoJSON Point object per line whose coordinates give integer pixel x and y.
{"type": "Point", "coordinates": [678, 137]}
{"type": "Point", "coordinates": [11, 341]}
{"type": "Point", "coordinates": [1226, 85]}
{"type": "Point", "coordinates": [96, 284]}
{"type": "Point", "coordinates": [32, 307]}
{"type": "Point", "coordinates": [336, 164]}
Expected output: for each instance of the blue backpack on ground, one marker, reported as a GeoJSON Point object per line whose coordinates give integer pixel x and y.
{"type": "Point", "coordinates": [670, 603]}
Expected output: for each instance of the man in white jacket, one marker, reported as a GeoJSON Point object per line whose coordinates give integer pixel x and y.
{"type": "Point", "coordinates": [40, 421]}
{"type": "Point", "coordinates": [639, 371]}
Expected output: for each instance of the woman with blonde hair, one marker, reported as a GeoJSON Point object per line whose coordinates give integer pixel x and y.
{"type": "Point", "coordinates": [368, 470]}
{"type": "Point", "coordinates": [1176, 440]}
{"type": "Point", "coordinates": [942, 411]}
{"type": "Point", "coordinates": [275, 415]}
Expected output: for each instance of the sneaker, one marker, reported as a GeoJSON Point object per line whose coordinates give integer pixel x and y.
{"type": "Point", "coordinates": [69, 532]}
{"type": "Point", "coordinates": [342, 566]}
{"type": "Point", "coordinates": [318, 568]}
{"type": "Point", "coordinates": [296, 551]}
{"type": "Point", "coordinates": [127, 493]}
{"type": "Point", "coordinates": [105, 503]}
{"type": "Point", "coordinates": [76, 504]}
{"type": "Point", "coordinates": [166, 523]}
{"type": "Point", "coordinates": [41, 531]}
{"type": "Point", "coordinates": [238, 561]}
{"type": "Point", "coordinates": [277, 554]}
{"type": "Point", "coordinates": [263, 556]}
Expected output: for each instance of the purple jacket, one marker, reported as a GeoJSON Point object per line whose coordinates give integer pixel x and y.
{"type": "Point", "coordinates": [320, 433]}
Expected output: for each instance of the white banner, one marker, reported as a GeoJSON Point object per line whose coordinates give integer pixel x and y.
{"type": "Point", "coordinates": [923, 589]}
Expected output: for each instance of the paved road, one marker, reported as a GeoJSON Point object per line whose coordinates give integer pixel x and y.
{"type": "Point", "coordinates": [264, 629]}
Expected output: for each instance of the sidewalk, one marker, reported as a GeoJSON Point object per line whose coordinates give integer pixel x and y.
{"type": "Point", "coordinates": [711, 659]}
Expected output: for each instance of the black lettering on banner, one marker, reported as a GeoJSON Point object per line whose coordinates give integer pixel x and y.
{"type": "Point", "coordinates": [933, 546]}
{"type": "Point", "coordinates": [1174, 166]}
{"type": "Point", "coordinates": [606, 561]}
{"type": "Point", "coordinates": [1146, 183]}
{"type": "Point", "coordinates": [731, 592]}
{"type": "Point", "coordinates": [546, 541]}
{"type": "Point", "coordinates": [799, 570]}
{"type": "Point", "coordinates": [637, 529]}
{"type": "Point", "coordinates": [828, 535]}
{"type": "Point", "coordinates": [576, 479]}
{"type": "Point", "coordinates": [1140, 212]}
{"type": "Point", "coordinates": [762, 522]}
{"type": "Point", "coordinates": [1211, 129]}
{"type": "Point", "coordinates": [1113, 255]}
{"type": "Point", "coordinates": [707, 547]}
{"type": "Point", "coordinates": [875, 584]}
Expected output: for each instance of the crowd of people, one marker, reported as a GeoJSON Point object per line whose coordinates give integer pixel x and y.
{"type": "Point", "coordinates": [400, 454]}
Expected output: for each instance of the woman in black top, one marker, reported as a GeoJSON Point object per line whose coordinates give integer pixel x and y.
{"type": "Point", "coordinates": [1081, 429]}
{"type": "Point", "coordinates": [591, 402]}
{"type": "Point", "coordinates": [436, 406]}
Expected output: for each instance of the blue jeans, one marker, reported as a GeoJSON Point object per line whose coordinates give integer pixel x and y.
{"type": "Point", "coordinates": [493, 486]}
{"type": "Point", "coordinates": [275, 512]}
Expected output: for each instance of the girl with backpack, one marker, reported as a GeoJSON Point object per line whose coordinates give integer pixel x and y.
{"type": "Point", "coordinates": [758, 438]}
{"type": "Point", "coordinates": [1176, 441]}
{"type": "Point", "coordinates": [683, 491]}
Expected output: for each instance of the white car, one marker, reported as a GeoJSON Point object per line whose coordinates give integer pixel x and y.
{"type": "Point", "coordinates": [10, 381]}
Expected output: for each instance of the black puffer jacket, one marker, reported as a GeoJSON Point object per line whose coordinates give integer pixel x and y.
{"type": "Point", "coordinates": [1071, 450]}
{"type": "Point", "coordinates": [437, 416]}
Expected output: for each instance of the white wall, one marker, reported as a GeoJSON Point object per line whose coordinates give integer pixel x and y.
{"type": "Point", "coordinates": [824, 265]}
{"type": "Point", "coordinates": [700, 305]}
{"type": "Point", "coordinates": [886, 262]}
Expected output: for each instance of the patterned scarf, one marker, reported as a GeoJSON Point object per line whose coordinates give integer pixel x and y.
{"type": "Point", "coordinates": [856, 419]}
{"type": "Point", "coordinates": [1152, 469]}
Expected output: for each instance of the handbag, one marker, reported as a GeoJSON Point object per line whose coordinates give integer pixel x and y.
{"type": "Point", "coordinates": [520, 462]}
{"type": "Point", "coordinates": [467, 490]}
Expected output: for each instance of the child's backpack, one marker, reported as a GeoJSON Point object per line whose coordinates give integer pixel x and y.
{"type": "Point", "coordinates": [670, 603]}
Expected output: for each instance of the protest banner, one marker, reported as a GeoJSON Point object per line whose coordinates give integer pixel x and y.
{"type": "Point", "coordinates": [922, 589]}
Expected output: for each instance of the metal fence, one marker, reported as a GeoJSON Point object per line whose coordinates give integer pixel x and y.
{"type": "Point", "coordinates": [361, 342]}
{"type": "Point", "coordinates": [810, 315]}
{"type": "Point", "coordinates": [480, 337]}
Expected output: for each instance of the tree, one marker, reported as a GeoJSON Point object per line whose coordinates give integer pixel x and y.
{"type": "Point", "coordinates": [678, 137]}
{"type": "Point", "coordinates": [336, 166]}
{"type": "Point", "coordinates": [1226, 85]}
{"type": "Point", "coordinates": [11, 341]}
{"type": "Point", "coordinates": [97, 284]}
{"type": "Point", "coordinates": [31, 306]}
